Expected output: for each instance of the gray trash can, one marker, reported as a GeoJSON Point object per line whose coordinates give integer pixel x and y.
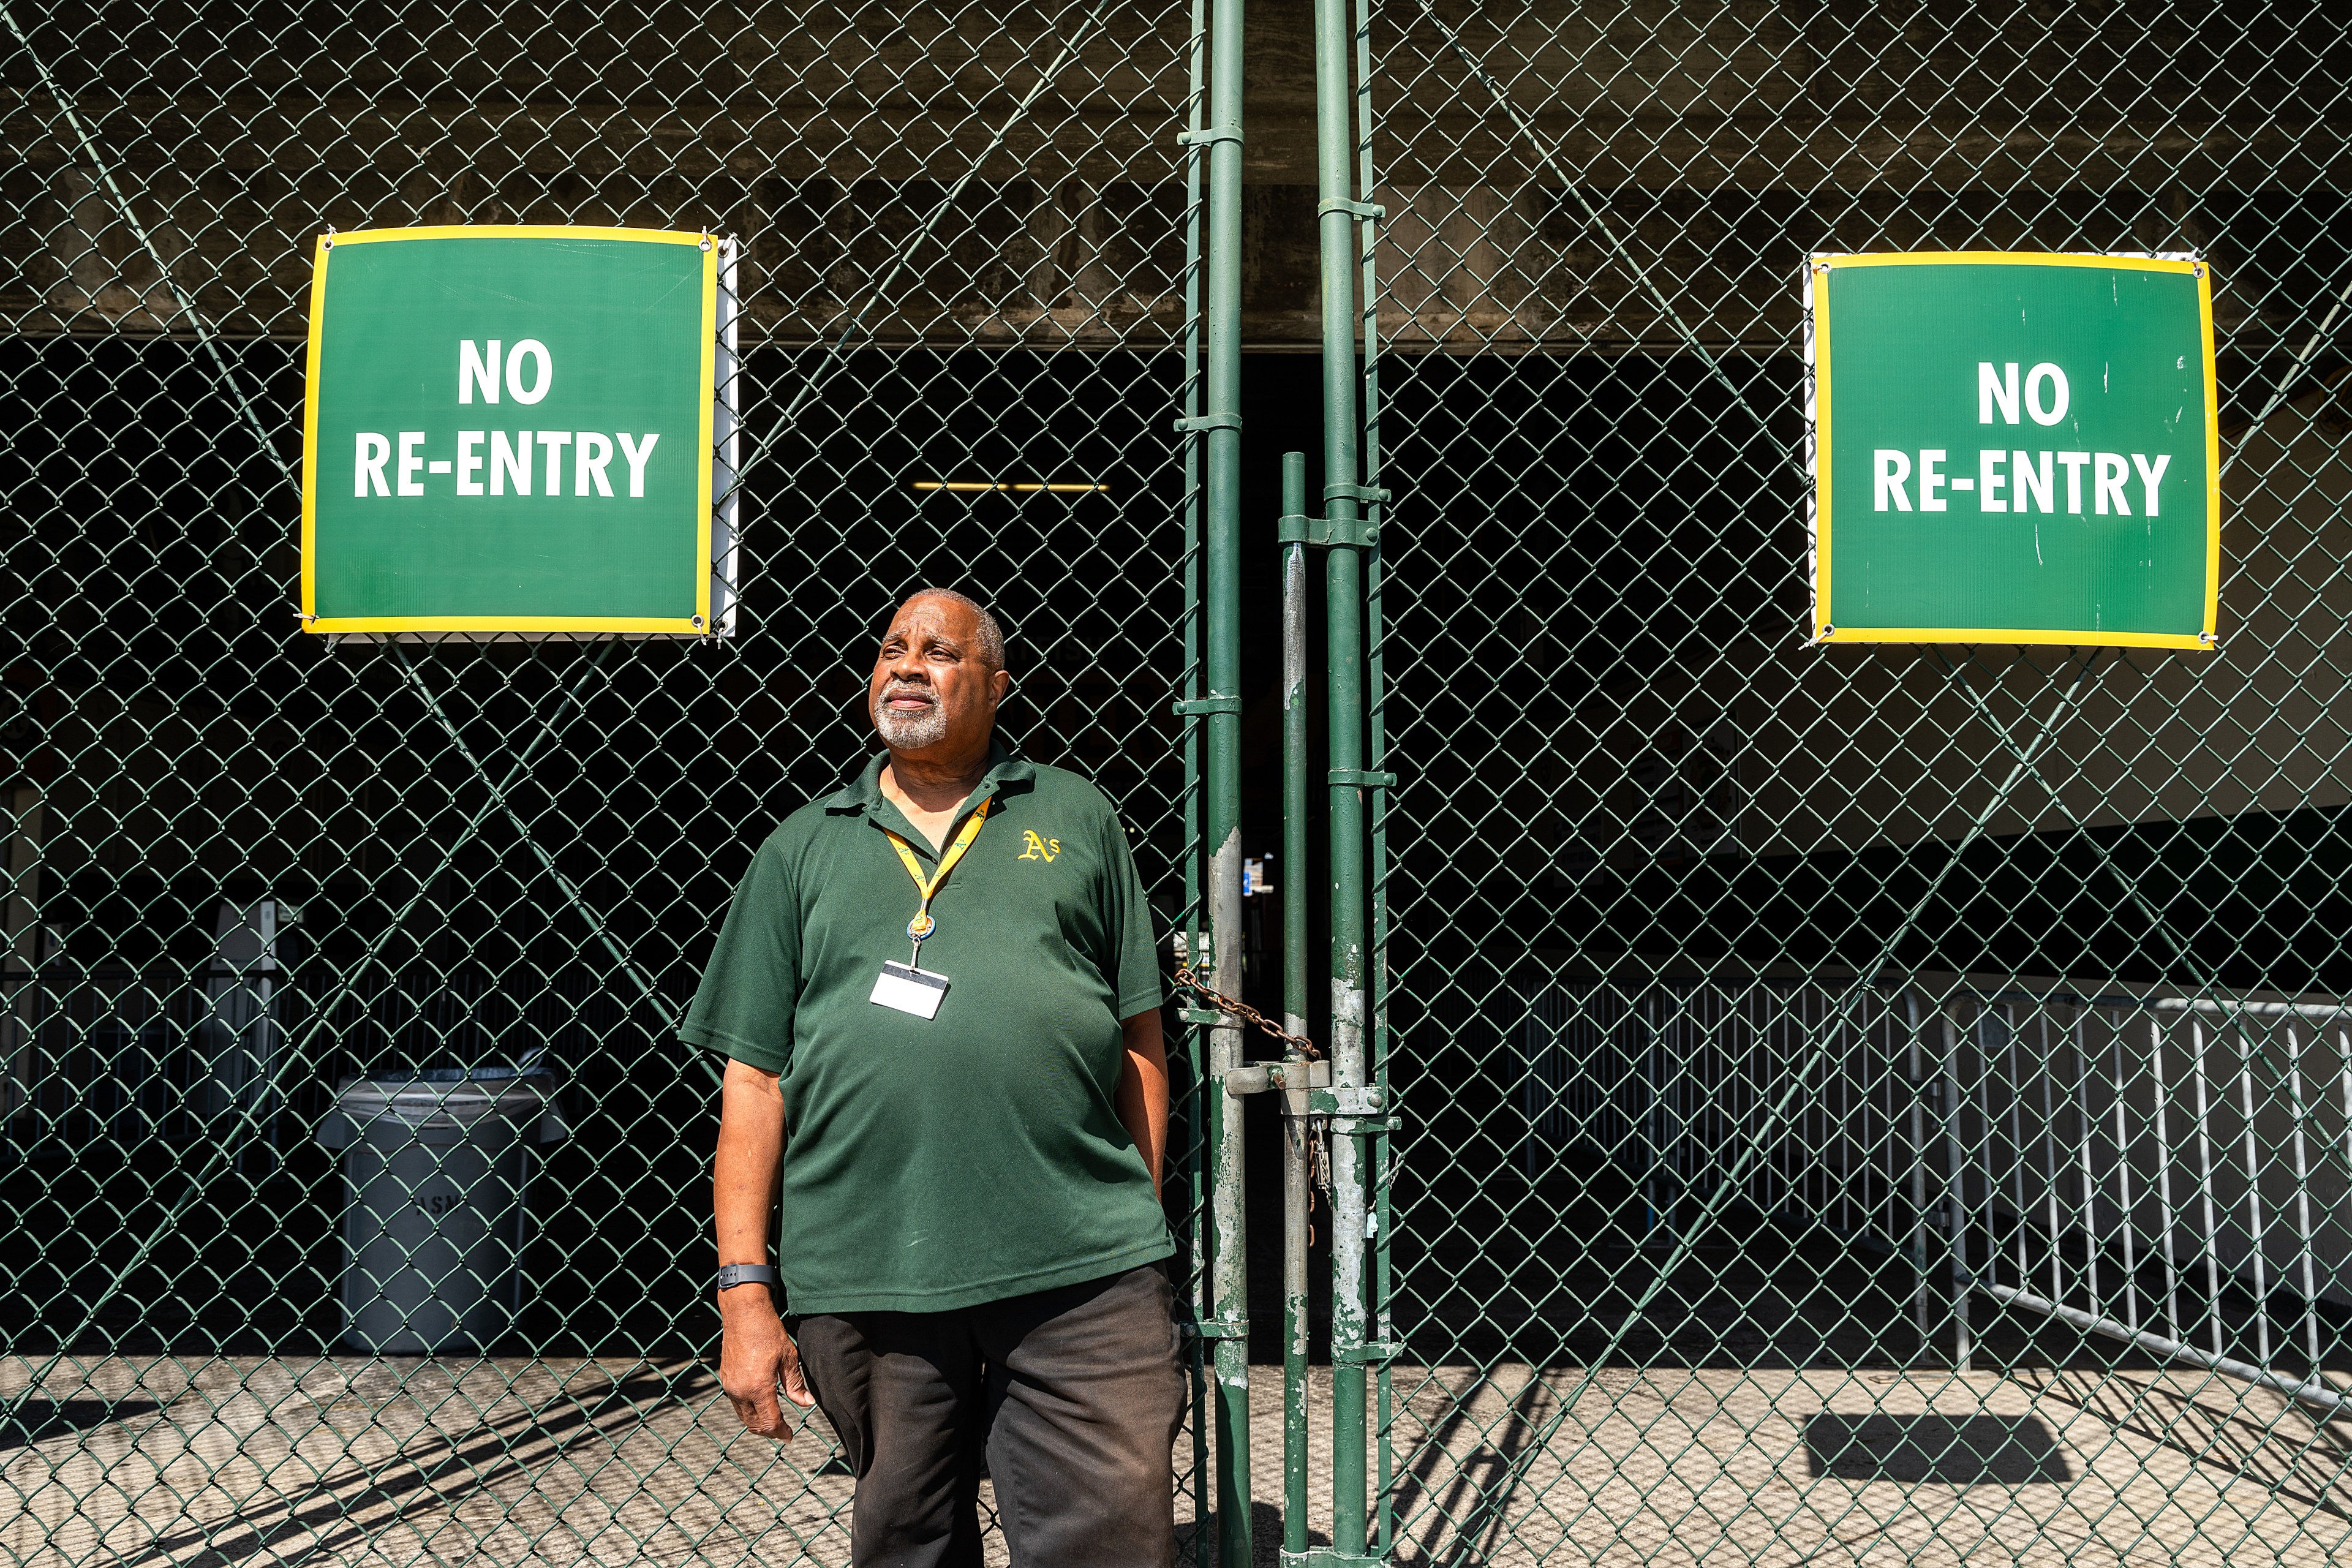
{"type": "Point", "coordinates": [436, 1169]}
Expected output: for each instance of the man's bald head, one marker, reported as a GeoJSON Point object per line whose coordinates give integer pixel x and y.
{"type": "Point", "coordinates": [990, 635]}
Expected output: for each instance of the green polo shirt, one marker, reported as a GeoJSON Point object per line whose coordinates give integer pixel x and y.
{"type": "Point", "coordinates": [930, 1166]}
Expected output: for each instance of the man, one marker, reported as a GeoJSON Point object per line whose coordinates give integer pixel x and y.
{"type": "Point", "coordinates": [941, 979]}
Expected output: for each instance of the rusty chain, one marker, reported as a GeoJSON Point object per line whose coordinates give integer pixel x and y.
{"type": "Point", "coordinates": [1244, 1012]}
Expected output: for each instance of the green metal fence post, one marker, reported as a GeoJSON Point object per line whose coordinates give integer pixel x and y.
{"type": "Point", "coordinates": [1344, 589]}
{"type": "Point", "coordinates": [1297, 1131]}
{"type": "Point", "coordinates": [1228, 1256]}
{"type": "Point", "coordinates": [1197, 1120]}
{"type": "Point", "coordinates": [1376, 971]}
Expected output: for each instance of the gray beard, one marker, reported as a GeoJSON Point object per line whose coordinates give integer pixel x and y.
{"type": "Point", "coordinates": [910, 731]}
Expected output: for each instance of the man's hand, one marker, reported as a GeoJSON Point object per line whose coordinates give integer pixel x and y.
{"type": "Point", "coordinates": [756, 1357]}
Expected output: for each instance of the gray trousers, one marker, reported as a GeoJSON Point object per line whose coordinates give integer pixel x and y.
{"type": "Point", "coordinates": [1073, 1396]}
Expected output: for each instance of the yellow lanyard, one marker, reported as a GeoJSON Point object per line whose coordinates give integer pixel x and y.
{"type": "Point", "coordinates": [922, 925]}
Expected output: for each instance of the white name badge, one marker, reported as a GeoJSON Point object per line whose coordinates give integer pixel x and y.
{"type": "Point", "coordinates": [910, 990]}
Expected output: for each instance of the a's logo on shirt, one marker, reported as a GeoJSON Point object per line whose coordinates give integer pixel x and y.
{"type": "Point", "coordinates": [1038, 849]}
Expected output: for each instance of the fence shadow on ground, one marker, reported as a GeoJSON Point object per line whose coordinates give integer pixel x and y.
{"type": "Point", "coordinates": [1464, 1498]}
{"type": "Point", "coordinates": [2225, 1427]}
{"type": "Point", "coordinates": [344, 1509]}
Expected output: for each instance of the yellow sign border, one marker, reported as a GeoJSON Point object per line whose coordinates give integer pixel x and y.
{"type": "Point", "coordinates": [700, 625]}
{"type": "Point", "coordinates": [1818, 268]}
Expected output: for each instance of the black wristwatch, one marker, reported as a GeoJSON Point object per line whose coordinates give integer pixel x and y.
{"type": "Point", "coordinates": [733, 1274]}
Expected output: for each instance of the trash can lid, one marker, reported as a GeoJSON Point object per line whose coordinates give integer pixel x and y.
{"type": "Point", "coordinates": [460, 1075]}
{"type": "Point", "coordinates": [445, 1093]}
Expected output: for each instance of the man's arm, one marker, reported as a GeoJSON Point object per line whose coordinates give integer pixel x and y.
{"type": "Point", "coordinates": [1142, 1098]}
{"type": "Point", "coordinates": [756, 1356]}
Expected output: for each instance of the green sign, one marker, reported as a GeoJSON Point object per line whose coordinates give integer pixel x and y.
{"type": "Point", "coordinates": [510, 430]}
{"type": "Point", "coordinates": [2014, 447]}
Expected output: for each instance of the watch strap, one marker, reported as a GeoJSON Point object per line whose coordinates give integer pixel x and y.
{"type": "Point", "coordinates": [733, 1274]}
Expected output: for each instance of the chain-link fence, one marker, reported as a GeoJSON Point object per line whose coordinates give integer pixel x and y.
{"type": "Point", "coordinates": [247, 864]}
{"type": "Point", "coordinates": [1877, 1103]}
{"type": "Point", "coordinates": [1868, 1102]}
